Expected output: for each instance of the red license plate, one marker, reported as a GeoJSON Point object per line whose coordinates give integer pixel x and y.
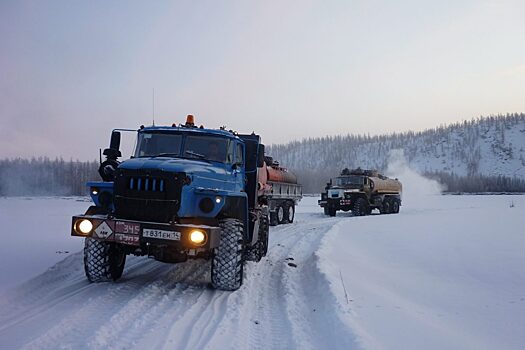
{"type": "Point", "coordinates": [127, 228]}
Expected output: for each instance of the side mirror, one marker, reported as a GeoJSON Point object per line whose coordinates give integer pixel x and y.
{"type": "Point", "coordinates": [113, 152]}
{"type": "Point", "coordinates": [115, 140]}
{"type": "Point", "coordinates": [260, 156]}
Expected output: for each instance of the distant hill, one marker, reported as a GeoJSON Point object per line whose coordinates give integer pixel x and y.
{"type": "Point", "coordinates": [483, 148]}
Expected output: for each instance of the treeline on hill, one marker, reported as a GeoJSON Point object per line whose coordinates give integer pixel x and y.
{"type": "Point", "coordinates": [486, 154]}
{"type": "Point", "coordinates": [45, 177]}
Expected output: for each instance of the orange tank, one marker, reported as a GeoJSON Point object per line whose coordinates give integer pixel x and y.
{"type": "Point", "coordinates": [281, 175]}
{"type": "Point", "coordinates": [273, 173]}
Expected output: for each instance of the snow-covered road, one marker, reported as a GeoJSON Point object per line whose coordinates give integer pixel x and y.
{"type": "Point", "coordinates": [446, 274]}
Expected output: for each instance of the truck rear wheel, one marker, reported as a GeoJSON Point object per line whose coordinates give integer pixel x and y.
{"type": "Point", "coordinates": [281, 217]}
{"type": "Point", "coordinates": [103, 261]}
{"type": "Point", "coordinates": [227, 263]}
{"type": "Point", "coordinates": [260, 248]}
{"type": "Point", "coordinates": [395, 206]}
{"type": "Point", "coordinates": [273, 218]}
{"type": "Point", "coordinates": [360, 207]}
{"type": "Point", "coordinates": [386, 208]}
{"type": "Point", "coordinates": [291, 212]}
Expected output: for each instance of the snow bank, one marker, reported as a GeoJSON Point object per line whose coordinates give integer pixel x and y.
{"type": "Point", "coordinates": [35, 235]}
{"type": "Point", "coordinates": [446, 278]}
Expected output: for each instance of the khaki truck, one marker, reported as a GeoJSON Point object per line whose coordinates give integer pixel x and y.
{"type": "Point", "coordinates": [361, 191]}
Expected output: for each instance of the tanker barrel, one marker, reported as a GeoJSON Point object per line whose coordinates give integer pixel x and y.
{"type": "Point", "coordinates": [278, 175]}
{"type": "Point", "coordinates": [386, 185]}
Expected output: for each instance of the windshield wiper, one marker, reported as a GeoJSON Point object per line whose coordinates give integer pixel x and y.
{"type": "Point", "coordinates": [176, 155]}
{"type": "Point", "coordinates": [198, 155]}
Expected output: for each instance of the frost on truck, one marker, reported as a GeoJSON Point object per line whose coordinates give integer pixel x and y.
{"type": "Point", "coordinates": [361, 191]}
{"type": "Point", "coordinates": [186, 193]}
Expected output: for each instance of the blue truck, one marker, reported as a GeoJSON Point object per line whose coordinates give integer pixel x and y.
{"type": "Point", "coordinates": [187, 192]}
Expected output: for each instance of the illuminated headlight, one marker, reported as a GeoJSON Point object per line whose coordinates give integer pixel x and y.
{"type": "Point", "coordinates": [218, 200]}
{"type": "Point", "coordinates": [94, 191]}
{"type": "Point", "coordinates": [83, 226]}
{"type": "Point", "coordinates": [197, 237]}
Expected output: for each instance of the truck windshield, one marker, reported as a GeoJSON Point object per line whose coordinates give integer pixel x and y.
{"type": "Point", "coordinates": [349, 180]}
{"type": "Point", "coordinates": [154, 144]}
{"type": "Point", "coordinates": [218, 149]}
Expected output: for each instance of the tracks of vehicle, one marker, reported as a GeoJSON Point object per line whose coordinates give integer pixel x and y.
{"type": "Point", "coordinates": [159, 305]}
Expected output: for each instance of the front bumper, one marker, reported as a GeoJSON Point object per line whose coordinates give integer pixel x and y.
{"type": "Point", "coordinates": [131, 232]}
{"type": "Point", "coordinates": [335, 202]}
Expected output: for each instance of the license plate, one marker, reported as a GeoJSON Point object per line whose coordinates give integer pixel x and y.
{"type": "Point", "coordinates": [161, 234]}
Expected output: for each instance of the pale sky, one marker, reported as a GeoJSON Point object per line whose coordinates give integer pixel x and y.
{"type": "Point", "coordinates": [70, 71]}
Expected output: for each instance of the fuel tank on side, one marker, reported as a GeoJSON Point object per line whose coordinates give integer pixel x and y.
{"type": "Point", "coordinates": [273, 173]}
{"type": "Point", "coordinates": [386, 185]}
{"type": "Point", "coordinates": [281, 175]}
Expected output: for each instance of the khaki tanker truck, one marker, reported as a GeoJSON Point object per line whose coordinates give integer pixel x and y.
{"type": "Point", "coordinates": [361, 191]}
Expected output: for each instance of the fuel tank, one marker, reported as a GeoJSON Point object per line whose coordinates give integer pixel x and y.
{"type": "Point", "coordinates": [385, 185]}
{"type": "Point", "coordinates": [272, 172]}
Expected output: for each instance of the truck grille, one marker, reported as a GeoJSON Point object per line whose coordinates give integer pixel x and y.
{"type": "Point", "coordinates": [148, 194]}
{"type": "Point", "coordinates": [146, 184]}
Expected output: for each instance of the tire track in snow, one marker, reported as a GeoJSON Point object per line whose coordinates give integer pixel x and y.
{"type": "Point", "coordinates": [311, 305]}
{"type": "Point", "coordinates": [142, 313]}
{"type": "Point", "coordinates": [159, 305]}
{"type": "Point", "coordinates": [76, 326]}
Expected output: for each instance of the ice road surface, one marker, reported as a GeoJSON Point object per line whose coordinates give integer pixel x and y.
{"type": "Point", "coordinates": [448, 272]}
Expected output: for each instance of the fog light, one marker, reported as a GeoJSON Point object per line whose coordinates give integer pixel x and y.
{"type": "Point", "coordinates": [206, 205]}
{"type": "Point", "coordinates": [218, 200]}
{"type": "Point", "coordinates": [94, 191]}
{"type": "Point", "coordinates": [197, 237]}
{"type": "Point", "coordinates": [84, 226]}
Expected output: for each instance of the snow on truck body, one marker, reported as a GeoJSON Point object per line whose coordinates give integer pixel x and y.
{"type": "Point", "coordinates": [187, 192]}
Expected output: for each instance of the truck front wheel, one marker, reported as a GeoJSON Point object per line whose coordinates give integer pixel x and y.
{"type": "Point", "coordinates": [103, 261]}
{"type": "Point", "coordinates": [360, 207]}
{"type": "Point", "coordinates": [227, 263]}
{"type": "Point", "coordinates": [332, 211]}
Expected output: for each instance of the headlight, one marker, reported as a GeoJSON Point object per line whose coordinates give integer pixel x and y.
{"type": "Point", "coordinates": [83, 226]}
{"type": "Point", "coordinates": [218, 200]}
{"type": "Point", "coordinates": [94, 191]}
{"type": "Point", "coordinates": [197, 237]}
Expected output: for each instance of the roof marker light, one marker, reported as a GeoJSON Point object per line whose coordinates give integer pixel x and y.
{"type": "Point", "coordinates": [190, 120]}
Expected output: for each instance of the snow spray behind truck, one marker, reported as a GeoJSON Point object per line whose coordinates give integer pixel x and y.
{"type": "Point", "coordinates": [361, 191]}
{"type": "Point", "coordinates": [187, 192]}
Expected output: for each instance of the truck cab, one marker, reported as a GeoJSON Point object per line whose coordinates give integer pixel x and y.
{"type": "Point", "coordinates": [187, 192]}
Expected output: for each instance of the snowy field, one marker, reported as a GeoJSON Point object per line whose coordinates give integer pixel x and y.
{"type": "Point", "coordinates": [446, 273]}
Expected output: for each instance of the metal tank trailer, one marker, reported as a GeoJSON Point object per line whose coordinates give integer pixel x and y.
{"type": "Point", "coordinates": [280, 188]}
{"type": "Point", "coordinates": [361, 191]}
